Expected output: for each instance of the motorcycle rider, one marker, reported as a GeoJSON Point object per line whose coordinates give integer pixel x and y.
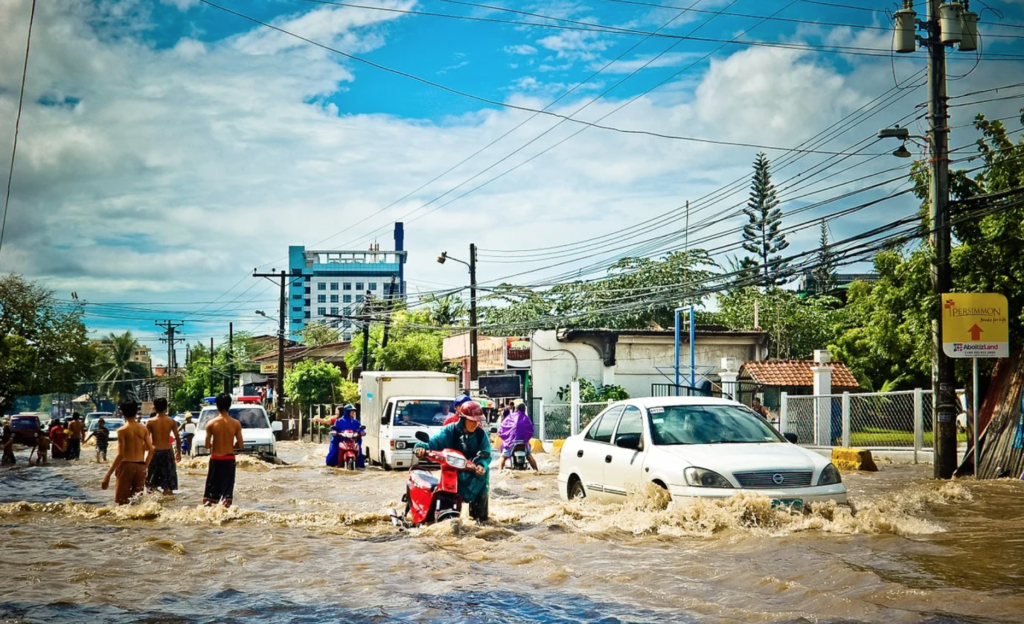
{"type": "Point", "coordinates": [516, 427]}
{"type": "Point", "coordinates": [469, 438]}
{"type": "Point", "coordinates": [345, 421]}
{"type": "Point", "coordinates": [459, 401]}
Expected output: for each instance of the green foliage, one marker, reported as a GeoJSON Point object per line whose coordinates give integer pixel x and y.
{"type": "Point", "coordinates": [447, 311]}
{"type": "Point", "coordinates": [823, 273]}
{"type": "Point", "coordinates": [42, 348]}
{"type": "Point", "coordinates": [412, 344]}
{"type": "Point", "coordinates": [318, 333]}
{"type": "Point", "coordinates": [796, 326]}
{"type": "Point", "coordinates": [310, 382]}
{"type": "Point", "coordinates": [593, 393]}
{"type": "Point", "coordinates": [118, 374]}
{"type": "Point", "coordinates": [762, 236]}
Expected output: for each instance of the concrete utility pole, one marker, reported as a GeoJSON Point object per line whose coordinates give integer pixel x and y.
{"type": "Point", "coordinates": [170, 327]}
{"type": "Point", "coordinates": [229, 383]}
{"type": "Point", "coordinates": [474, 361]}
{"type": "Point", "coordinates": [366, 331]}
{"type": "Point", "coordinates": [212, 389]}
{"type": "Point", "coordinates": [279, 392]}
{"type": "Point", "coordinates": [943, 380]}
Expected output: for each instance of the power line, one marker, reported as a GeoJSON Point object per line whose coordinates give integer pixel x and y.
{"type": "Point", "coordinates": [17, 123]}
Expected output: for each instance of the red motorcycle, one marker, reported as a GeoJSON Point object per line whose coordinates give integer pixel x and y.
{"type": "Point", "coordinates": [348, 449]}
{"type": "Point", "coordinates": [429, 499]}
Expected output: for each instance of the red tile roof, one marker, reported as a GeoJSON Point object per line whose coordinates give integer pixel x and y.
{"type": "Point", "coordinates": [795, 373]}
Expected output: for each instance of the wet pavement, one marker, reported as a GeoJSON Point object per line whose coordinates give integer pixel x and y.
{"type": "Point", "coordinates": [306, 543]}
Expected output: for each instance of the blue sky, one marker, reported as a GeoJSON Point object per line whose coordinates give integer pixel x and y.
{"type": "Point", "coordinates": [167, 148]}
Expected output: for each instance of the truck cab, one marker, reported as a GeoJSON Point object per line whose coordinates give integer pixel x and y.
{"type": "Point", "coordinates": [257, 430]}
{"type": "Point", "coordinates": [397, 404]}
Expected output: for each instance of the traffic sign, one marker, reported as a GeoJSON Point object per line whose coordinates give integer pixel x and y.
{"type": "Point", "coordinates": [975, 325]}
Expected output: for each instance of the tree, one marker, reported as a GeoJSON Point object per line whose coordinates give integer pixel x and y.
{"type": "Point", "coordinates": [43, 348]}
{"type": "Point", "coordinates": [310, 382]}
{"type": "Point", "coordinates": [319, 333]}
{"type": "Point", "coordinates": [118, 373]}
{"type": "Point", "coordinates": [795, 326]}
{"type": "Point", "coordinates": [410, 346]}
{"type": "Point", "coordinates": [762, 237]}
{"type": "Point", "coordinates": [447, 311]}
{"type": "Point", "coordinates": [593, 393]}
{"type": "Point", "coordinates": [824, 278]}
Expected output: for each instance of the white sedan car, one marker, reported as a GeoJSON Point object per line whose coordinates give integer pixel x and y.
{"type": "Point", "coordinates": [695, 447]}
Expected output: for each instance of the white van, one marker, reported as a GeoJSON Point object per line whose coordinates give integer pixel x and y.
{"type": "Point", "coordinates": [257, 430]}
{"type": "Point", "coordinates": [394, 405]}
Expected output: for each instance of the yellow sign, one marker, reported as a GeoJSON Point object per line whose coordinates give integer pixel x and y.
{"type": "Point", "coordinates": [975, 325]}
{"type": "Point", "coordinates": [271, 367]}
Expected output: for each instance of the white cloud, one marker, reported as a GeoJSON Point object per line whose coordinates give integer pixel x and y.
{"type": "Point", "coordinates": [522, 49]}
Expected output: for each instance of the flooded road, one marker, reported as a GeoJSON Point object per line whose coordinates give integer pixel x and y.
{"type": "Point", "coordinates": [310, 544]}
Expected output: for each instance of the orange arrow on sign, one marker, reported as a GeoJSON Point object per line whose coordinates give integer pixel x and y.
{"type": "Point", "coordinates": [975, 332]}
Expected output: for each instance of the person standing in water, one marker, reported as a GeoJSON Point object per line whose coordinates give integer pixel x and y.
{"type": "Point", "coordinates": [162, 474]}
{"type": "Point", "coordinates": [223, 436]}
{"type": "Point", "coordinates": [8, 443]}
{"type": "Point", "coordinates": [134, 452]}
{"type": "Point", "coordinates": [102, 435]}
{"type": "Point", "coordinates": [76, 431]}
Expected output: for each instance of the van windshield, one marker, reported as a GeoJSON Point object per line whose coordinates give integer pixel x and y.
{"type": "Point", "coordinates": [250, 417]}
{"type": "Point", "coordinates": [422, 412]}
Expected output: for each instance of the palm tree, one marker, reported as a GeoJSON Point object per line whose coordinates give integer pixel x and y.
{"type": "Point", "coordinates": [117, 368]}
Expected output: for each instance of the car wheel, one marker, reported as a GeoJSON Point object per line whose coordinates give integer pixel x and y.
{"type": "Point", "coordinates": [383, 462]}
{"type": "Point", "coordinates": [576, 489]}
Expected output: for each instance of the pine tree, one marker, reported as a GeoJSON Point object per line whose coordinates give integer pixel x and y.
{"type": "Point", "coordinates": [826, 263]}
{"type": "Point", "coordinates": [761, 236]}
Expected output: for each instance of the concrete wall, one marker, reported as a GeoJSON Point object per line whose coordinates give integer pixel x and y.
{"type": "Point", "coordinates": [637, 363]}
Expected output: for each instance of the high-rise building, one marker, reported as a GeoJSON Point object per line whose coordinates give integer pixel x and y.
{"type": "Point", "coordinates": [340, 281]}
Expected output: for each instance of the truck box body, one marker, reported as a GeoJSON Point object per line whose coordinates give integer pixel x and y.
{"type": "Point", "coordinates": [395, 405]}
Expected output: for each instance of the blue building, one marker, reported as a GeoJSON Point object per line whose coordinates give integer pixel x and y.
{"type": "Point", "coordinates": [340, 282]}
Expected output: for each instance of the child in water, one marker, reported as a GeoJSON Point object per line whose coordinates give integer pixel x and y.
{"type": "Point", "coordinates": [8, 442]}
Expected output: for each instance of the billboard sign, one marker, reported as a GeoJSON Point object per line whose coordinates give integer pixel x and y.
{"type": "Point", "coordinates": [517, 353]}
{"type": "Point", "coordinates": [975, 325]}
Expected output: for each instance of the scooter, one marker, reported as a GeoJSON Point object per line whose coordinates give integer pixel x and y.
{"type": "Point", "coordinates": [429, 499]}
{"type": "Point", "coordinates": [348, 449]}
{"type": "Point", "coordinates": [519, 455]}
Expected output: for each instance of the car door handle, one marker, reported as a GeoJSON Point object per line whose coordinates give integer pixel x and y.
{"type": "Point", "coordinates": [579, 453]}
{"type": "Point", "coordinates": [607, 459]}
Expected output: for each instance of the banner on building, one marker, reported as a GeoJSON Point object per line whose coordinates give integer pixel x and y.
{"type": "Point", "coordinates": [517, 352]}
{"type": "Point", "coordinates": [271, 367]}
{"type": "Point", "coordinates": [490, 353]}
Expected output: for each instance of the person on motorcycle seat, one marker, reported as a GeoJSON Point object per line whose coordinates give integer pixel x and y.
{"type": "Point", "coordinates": [516, 427]}
{"type": "Point", "coordinates": [468, 437]}
{"type": "Point", "coordinates": [345, 421]}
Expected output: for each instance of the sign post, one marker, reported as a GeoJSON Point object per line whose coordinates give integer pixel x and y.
{"type": "Point", "coordinates": [975, 325]}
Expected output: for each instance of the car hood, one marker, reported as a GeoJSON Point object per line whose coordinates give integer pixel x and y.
{"type": "Point", "coordinates": [729, 458]}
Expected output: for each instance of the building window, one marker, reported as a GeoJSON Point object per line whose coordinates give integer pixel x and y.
{"type": "Point", "coordinates": [321, 285]}
{"type": "Point", "coordinates": [334, 298]}
{"type": "Point", "coordinates": [306, 303]}
{"type": "Point", "coordinates": [372, 285]}
{"type": "Point", "coordinates": [296, 296]}
{"type": "Point", "coordinates": [307, 314]}
{"type": "Point", "coordinates": [321, 311]}
{"type": "Point", "coordinates": [359, 298]}
{"type": "Point", "coordinates": [334, 310]}
{"type": "Point", "coordinates": [299, 309]}
{"type": "Point", "coordinates": [348, 298]}
{"type": "Point", "coordinates": [347, 286]}
{"type": "Point", "coordinates": [321, 298]}
{"type": "Point", "coordinates": [359, 285]}
{"type": "Point", "coordinates": [334, 285]}
{"type": "Point", "coordinates": [348, 310]}
{"type": "Point", "coordinates": [346, 336]}
{"type": "Point", "coordinates": [307, 290]}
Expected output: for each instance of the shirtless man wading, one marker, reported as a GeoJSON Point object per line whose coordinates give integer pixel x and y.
{"type": "Point", "coordinates": [223, 436]}
{"type": "Point", "coordinates": [162, 474]}
{"type": "Point", "coordinates": [134, 451]}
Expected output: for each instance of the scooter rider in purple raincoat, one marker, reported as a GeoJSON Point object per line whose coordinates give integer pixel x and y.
{"type": "Point", "coordinates": [516, 427]}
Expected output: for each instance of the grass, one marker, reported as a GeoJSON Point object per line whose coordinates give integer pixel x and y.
{"type": "Point", "coordinates": [877, 436]}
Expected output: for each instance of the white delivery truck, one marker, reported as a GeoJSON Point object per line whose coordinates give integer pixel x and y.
{"type": "Point", "coordinates": [395, 405]}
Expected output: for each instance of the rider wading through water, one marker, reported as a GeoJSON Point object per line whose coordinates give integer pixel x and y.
{"type": "Point", "coordinates": [468, 437]}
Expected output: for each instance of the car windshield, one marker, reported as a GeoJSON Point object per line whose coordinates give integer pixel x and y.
{"type": "Point", "coordinates": [250, 417]}
{"type": "Point", "coordinates": [708, 424]}
{"type": "Point", "coordinates": [420, 413]}
{"type": "Point", "coordinates": [25, 423]}
{"type": "Point", "coordinates": [110, 423]}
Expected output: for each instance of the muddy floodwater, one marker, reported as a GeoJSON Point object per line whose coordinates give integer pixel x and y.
{"type": "Point", "coordinates": [310, 544]}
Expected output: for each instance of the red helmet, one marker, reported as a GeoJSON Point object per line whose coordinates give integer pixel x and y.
{"type": "Point", "coordinates": [471, 410]}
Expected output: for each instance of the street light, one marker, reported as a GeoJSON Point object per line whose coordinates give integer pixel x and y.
{"type": "Point", "coordinates": [473, 363]}
{"type": "Point", "coordinates": [903, 135]}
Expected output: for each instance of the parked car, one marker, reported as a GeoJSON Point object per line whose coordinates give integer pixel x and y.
{"type": "Point", "coordinates": [25, 428]}
{"type": "Point", "coordinates": [112, 424]}
{"type": "Point", "coordinates": [257, 430]}
{"type": "Point", "coordinates": [91, 416]}
{"type": "Point", "coordinates": [695, 447]}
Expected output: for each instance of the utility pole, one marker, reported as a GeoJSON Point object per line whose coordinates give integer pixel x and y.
{"type": "Point", "coordinates": [170, 327]}
{"type": "Point", "coordinates": [366, 333]}
{"type": "Point", "coordinates": [474, 363]}
{"type": "Point", "coordinates": [943, 380]}
{"type": "Point", "coordinates": [387, 313]}
{"type": "Point", "coordinates": [212, 389]}
{"type": "Point", "coordinates": [279, 392]}
{"type": "Point", "coordinates": [229, 382]}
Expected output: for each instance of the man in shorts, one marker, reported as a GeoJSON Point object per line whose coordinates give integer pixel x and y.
{"type": "Point", "coordinates": [223, 436]}
{"type": "Point", "coordinates": [76, 431]}
{"type": "Point", "coordinates": [134, 452]}
{"type": "Point", "coordinates": [162, 474]}
{"type": "Point", "coordinates": [102, 437]}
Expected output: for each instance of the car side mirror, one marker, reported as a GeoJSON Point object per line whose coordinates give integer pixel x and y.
{"type": "Point", "coordinates": [790, 436]}
{"type": "Point", "coordinates": [384, 421]}
{"type": "Point", "coordinates": [276, 426]}
{"type": "Point", "coordinates": [629, 441]}
{"type": "Point", "coordinates": [422, 436]}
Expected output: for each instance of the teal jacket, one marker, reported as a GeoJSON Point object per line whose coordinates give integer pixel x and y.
{"type": "Point", "coordinates": [476, 447]}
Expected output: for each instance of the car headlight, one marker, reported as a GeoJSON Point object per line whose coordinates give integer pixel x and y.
{"type": "Point", "coordinates": [829, 476]}
{"type": "Point", "coordinates": [701, 477]}
{"type": "Point", "coordinates": [400, 444]}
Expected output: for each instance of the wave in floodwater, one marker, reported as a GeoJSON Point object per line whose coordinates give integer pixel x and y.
{"type": "Point", "coordinates": [646, 512]}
